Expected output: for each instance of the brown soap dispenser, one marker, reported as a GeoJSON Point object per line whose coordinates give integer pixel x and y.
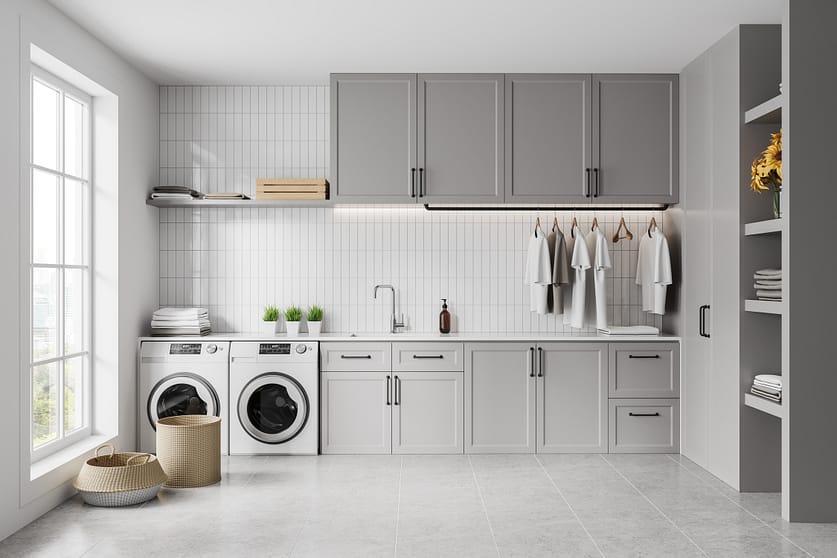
{"type": "Point", "coordinates": [444, 317]}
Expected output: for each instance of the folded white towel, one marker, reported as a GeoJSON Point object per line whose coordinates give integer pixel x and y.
{"type": "Point", "coordinates": [758, 285]}
{"type": "Point", "coordinates": [180, 323]}
{"type": "Point", "coordinates": [772, 380]}
{"type": "Point", "coordinates": [766, 281]}
{"type": "Point", "coordinates": [765, 395]}
{"type": "Point", "coordinates": [768, 389]}
{"type": "Point", "coordinates": [630, 330]}
{"type": "Point", "coordinates": [770, 273]}
{"type": "Point", "coordinates": [773, 295]}
{"type": "Point", "coordinates": [179, 312]}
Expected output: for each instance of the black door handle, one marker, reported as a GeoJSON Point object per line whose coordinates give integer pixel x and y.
{"type": "Point", "coordinates": [643, 356]}
{"type": "Point", "coordinates": [643, 414]}
{"type": "Point", "coordinates": [531, 362]}
{"type": "Point", "coordinates": [356, 356]}
{"type": "Point", "coordinates": [702, 322]}
{"type": "Point", "coordinates": [428, 356]}
{"type": "Point", "coordinates": [587, 190]}
{"type": "Point", "coordinates": [700, 319]}
{"type": "Point", "coordinates": [540, 362]}
{"type": "Point", "coordinates": [421, 183]}
{"type": "Point", "coordinates": [596, 191]}
{"type": "Point", "coordinates": [413, 182]}
{"type": "Point", "coordinates": [397, 390]}
{"type": "Point", "coordinates": [389, 390]}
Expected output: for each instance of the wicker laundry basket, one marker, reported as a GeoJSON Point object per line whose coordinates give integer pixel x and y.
{"type": "Point", "coordinates": [189, 449]}
{"type": "Point", "coordinates": [119, 479]}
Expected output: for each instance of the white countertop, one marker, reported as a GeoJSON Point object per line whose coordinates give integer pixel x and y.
{"type": "Point", "coordinates": [415, 336]}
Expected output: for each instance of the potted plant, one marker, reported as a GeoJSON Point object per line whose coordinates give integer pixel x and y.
{"type": "Point", "coordinates": [269, 319]}
{"type": "Point", "coordinates": [293, 314]}
{"type": "Point", "coordinates": [315, 320]}
{"type": "Point", "coordinates": [766, 172]}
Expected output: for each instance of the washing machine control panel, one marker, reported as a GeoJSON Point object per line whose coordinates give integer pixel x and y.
{"type": "Point", "coordinates": [211, 348]}
{"type": "Point", "coordinates": [185, 349]}
{"type": "Point", "coordinates": [300, 349]}
{"type": "Point", "coordinates": [274, 348]}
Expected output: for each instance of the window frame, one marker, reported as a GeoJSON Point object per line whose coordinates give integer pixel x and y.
{"type": "Point", "coordinates": [66, 91]}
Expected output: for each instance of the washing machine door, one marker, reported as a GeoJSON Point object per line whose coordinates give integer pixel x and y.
{"type": "Point", "coordinates": [273, 408]}
{"type": "Point", "coordinates": [182, 393]}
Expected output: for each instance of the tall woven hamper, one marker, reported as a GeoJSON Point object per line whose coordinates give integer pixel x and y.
{"type": "Point", "coordinates": [189, 449]}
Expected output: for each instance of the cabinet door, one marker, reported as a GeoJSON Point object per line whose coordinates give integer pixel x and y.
{"type": "Point", "coordinates": [373, 137]}
{"type": "Point", "coordinates": [548, 138]}
{"type": "Point", "coordinates": [427, 412]}
{"type": "Point", "coordinates": [635, 138]}
{"type": "Point", "coordinates": [499, 398]}
{"type": "Point", "coordinates": [572, 398]}
{"type": "Point", "coordinates": [460, 138]}
{"type": "Point", "coordinates": [356, 412]}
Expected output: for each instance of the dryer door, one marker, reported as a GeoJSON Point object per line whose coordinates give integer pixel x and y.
{"type": "Point", "coordinates": [182, 393]}
{"type": "Point", "coordinates": [273, 408]}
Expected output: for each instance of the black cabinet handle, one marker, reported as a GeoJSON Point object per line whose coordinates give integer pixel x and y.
{"type": "Point", "coordinates": [587, 190]}
{"type": "Point", "coordinates": [356, 356]}
{"type": "Point", "coordinates": [531, 362]}
{"type": "Point", "coordinates": [703, 310]}
{"type": "Point", "coordinates": [700, 319]}
{"type": "Point", "coordinates": [643, 414]}
{"type": "Point", "coordinates": [596, 191]}
{"type": "Point", "coordinates": [421, 183]}
{"type": "Point", "coordinates": [643, 356]}
{"type": "Point", "coordinates": [413, 182]}
{"type": "Point", "coordinates": [397, 390]}
{"type": "Point", "coordinates": [540, 362]}
{"type": "Point", "coordinates": [389, 390]}
{"type": "Point", "coordinates": [429, 356]}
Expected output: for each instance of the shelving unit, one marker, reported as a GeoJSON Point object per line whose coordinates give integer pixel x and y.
{"type": "Point", "coordinates": [764, 227]}
{"type": "Point", "coordinates": [243, 204]}
{"type": "Point", "coordinates": [769, 112]}
{"type": "Point", "coordinates": [764, 405]}
{"type": "Point", "coordinates": [763, 306]}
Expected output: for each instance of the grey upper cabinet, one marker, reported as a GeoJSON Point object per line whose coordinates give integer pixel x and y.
{"type": "Point", "coordinates": [548, 138]}
{"type": "Point", "coordinates": [635, 138]}
{"type": "Point", "coordinates": [460, 138]}
{"type": "Point", "coordinates": [373, 137]}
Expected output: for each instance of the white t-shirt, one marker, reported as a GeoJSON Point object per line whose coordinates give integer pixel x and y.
{"type": "Point", "coordinates": [560, 270]}
{"type": "Point", "coordinates": [596, 304]}
{"type": "Point", "coordinates": [579, 264]}
{"type": "Point", "coordinates": [653, 271]}
{"type": "Point", "coordinates": [538, 272]}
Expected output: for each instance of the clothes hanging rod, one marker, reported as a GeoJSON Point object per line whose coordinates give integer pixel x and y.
{"type": "Point", "coordinates": [663, 207]}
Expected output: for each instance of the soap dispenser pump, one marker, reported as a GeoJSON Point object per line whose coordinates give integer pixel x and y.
{"type": "Point", "coordinates": [444, 317]}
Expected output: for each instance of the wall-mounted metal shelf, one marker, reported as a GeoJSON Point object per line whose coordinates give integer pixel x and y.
{"type": "Point", "coordinates": [764, 405]}
{"type": "Point", "coordinates": [239, 204]}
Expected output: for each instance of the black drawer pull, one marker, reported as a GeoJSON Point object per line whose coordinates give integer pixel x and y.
{"type": "Point", "coordinates": [643, 356]}
{"type": "Point", "coordinates": [643, 414]}
{"type": "Point", "coordinates": [429, 356]}
{"type": "Point", "coordinates": [357, 356]}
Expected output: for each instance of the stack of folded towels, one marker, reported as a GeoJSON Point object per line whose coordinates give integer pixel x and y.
{"type": "Point", "coordinates": [174, 193]}
{"type": "Point", "coordinates": [768, 284]}
{"type": "Point", "coordinates": [768, 386]}
{"type": "Point", "coordinates": [180, 321]}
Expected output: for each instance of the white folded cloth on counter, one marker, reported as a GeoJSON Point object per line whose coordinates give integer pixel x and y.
{"type": "Point", "coordinates": [181, 323]}
{"type": "Point", "coordinates": [766, 395]}
{"type": "Point", "coordinates": [172, 312]}
{"type": "Point", "coordinates": [770, 380]}
{"type": "Point", "coordinates": [630, 330]}
{"type": "Point", "coordinates": [768, 274]}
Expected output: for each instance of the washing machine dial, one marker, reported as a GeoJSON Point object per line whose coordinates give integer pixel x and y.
{"type": "Point", "coordinates": [300, 349]}
{"type": "Point", "coordinates": [211, 348]}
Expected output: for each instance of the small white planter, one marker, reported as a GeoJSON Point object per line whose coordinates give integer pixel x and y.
{"type": "Point", "coordinates": [268, 328]}
{"type": "Point", "coordinates": [292, 328]}
{"type": "Point", "coordinates": [315, 328]}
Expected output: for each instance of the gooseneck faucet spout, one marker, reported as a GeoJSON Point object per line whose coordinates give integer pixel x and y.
{"type": "Point", "coordinates": [394, 323]}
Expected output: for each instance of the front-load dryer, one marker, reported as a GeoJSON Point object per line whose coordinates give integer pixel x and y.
{"type": "Point", "coordinates": [274, 398]}
{"type": "Point", "coordinates": [182, 378]}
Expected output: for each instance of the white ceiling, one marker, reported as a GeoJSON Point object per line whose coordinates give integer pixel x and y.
{"type": "Point", "coordinates": [302, 41]}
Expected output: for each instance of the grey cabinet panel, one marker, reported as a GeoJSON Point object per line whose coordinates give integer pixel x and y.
{"type": "Point", "coordinates": [644, 426]}
{"type": "Point", "coordinates": [500, 398]}
{"type": "Point", "coordinates": [373, 137]}
{"type": "Point", "coordinates": [355, 356]}
{"type": "Point", "coordinates": [355, 415]}
{"type": "Point", "coordinates": [644, 370]}
{"type": "Point", "coordinates": [572, 398]}
{"type": "Point", "coordinates": [427, 357]}
{"type": "Point", "coordinates": [460, 138]}
{"type": "Point", "coordinates": [635, 138]}
{"type": "Point", "coordinates": [548, 142]}
{"type": "Point", "coordinates": [427, 412]}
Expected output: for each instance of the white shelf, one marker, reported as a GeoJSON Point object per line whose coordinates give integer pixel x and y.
{"type": "Point", "coordinates": [248, 204]}
{"type": "Point", "coordinates": [763, 306]}
{"type": "Point", "coordinates": [764, 227]}
{"type": "Point", "coordinates": [764, 405]}
{"type": "Point", "coordinates": [769, 112]}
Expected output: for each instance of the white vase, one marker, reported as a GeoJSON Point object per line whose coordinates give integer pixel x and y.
{"type": "Point", "coordinates": [315, 328]}
{"type": "Point", "coordinates": [292, 328]}
{"type": "Point", "coordinates": [268, 328]}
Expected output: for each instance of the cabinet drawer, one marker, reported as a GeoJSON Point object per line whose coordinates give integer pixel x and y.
{"type": "Point", "coordinates": [644, 426]}
{"type": "Point", "coordinates": [428, 357]}
{"type": "Point", "coordinates": [644, 370]}
{"type": "Point", "coordinates": [351, 356]}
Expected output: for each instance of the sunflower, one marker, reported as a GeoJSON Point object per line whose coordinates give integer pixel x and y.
{"type": "Point", "coordinates": [766, 171]}
{"type": "Point", "coordinates": [757, 182]}
{"type": "Point", "coordinates": [772, 156]}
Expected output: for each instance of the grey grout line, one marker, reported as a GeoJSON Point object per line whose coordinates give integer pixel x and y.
{"type": "Point", "coordinates": [738, 504]}
{"type": "Point", "coordinates": [561, 494]}
{"type": "Point", "coordinates": [398, 505]}
{"type": "Point", "coordinates": [655, 506]}
{"type": "Point", "coordinates": [484, 508]}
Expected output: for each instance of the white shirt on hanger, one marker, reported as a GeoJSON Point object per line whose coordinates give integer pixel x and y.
{"type": "Point", "coordinates": [596, 310]}
{"type": "Point", "coordinates": [653, 271]}
{"type": "Point", "coordinates": [560, 269]}
{"type": "Point", "coordinates": [538, 272]}
{"type": "Point", "coordinates": [579, 264]}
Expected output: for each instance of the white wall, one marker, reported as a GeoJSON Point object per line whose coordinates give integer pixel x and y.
{"type": "Point", "coordinates": [35, 21]}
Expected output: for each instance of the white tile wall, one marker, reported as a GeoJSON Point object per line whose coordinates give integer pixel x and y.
{"type": "Point", "coordinates": [235, 261]}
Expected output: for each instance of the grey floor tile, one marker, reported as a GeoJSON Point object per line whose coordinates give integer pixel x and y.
{"type": "Point", "coordinates": [466, 545]}
{"type": "Point", "coordinates": [565, 538]}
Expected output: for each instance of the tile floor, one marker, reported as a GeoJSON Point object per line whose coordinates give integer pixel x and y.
{"type": "Point", "coordinates": [493, 505]}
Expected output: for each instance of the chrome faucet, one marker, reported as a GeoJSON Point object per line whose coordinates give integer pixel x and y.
{"type": "Point", "coordinates": [394, 323]}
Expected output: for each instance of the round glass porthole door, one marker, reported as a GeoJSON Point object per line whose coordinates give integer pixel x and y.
{"type": "Point", "coordinates": [183, 393]}
{"type": "Point", "coordinates": [273, 408]}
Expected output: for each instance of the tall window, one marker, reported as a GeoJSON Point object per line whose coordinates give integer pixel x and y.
{"type": "Point", "coordinates": [60, 294]}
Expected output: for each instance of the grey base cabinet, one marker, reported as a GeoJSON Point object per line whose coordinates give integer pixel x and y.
{"type": "Point", "coordinates": [356, 412]}
{"type": "Point", "coordinates": [427, 412]}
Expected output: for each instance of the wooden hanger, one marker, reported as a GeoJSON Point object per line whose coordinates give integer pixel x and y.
{"type": "Point", "coordinates": [595, 224]}
{"type": "Point", "coordinates": [537, 225]}
{"type": "Point", "coordinates": [555, 224]}
{"type": "Point", "coordinates": [652, 225]}
{"type": "Point", "coordinates": [573, 226]}
{"type": "Point", "coordinates": [628, 234]}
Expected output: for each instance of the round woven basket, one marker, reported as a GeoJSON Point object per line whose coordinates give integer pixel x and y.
{"type": "Point", "coordinates": [119, 479]}
{"type": "Point", "coordinates": [189, 449]}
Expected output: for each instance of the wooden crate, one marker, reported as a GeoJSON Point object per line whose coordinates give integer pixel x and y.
{"type": "Point", "coordinates": [291, 189]}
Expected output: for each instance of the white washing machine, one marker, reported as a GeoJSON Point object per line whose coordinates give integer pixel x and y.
{"type": "Point", "coordinates": [274, 398]}
{"type": "Point", "coordinates": [182, 378]}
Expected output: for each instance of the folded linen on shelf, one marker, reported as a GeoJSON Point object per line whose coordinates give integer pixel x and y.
{"type": "Point", "coordinates": [226, 196]}
{"type": "Point", "coordinates": [758, 285]}
{"type": "Point", "coordinates": [170, 196]}
{"type": "Point", "coordinates": [179, 331]}
{"type": "Point", "coordinates": [168, 312]}
{"type": "Point", "coordinates": [764, 395]}
{"type": "Point", "coordinates": [770, 380]}
{"type": "Point", "coordinates": [770, 390]}
{"type": "Point", "coordinates": [769, 272]}
{"type": "Point", "coordinates": [181, 323]}
{"type": "Point", "coordinates": [769, 295]}
{"type": "Point", "coordinates": [630, 330]}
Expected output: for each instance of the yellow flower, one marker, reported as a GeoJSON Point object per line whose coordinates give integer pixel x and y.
{"type": "Point", "coordinates": [757, 182]}
{"type": "Point", "coordinates": [772, 157]}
